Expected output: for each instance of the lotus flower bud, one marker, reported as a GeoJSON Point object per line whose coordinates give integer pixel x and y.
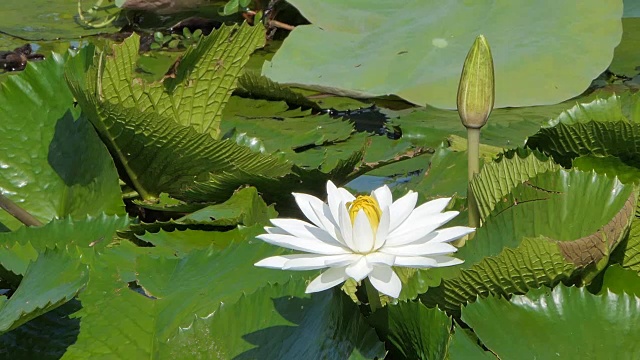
{"type": "Point", "coordinates": [476, 91]}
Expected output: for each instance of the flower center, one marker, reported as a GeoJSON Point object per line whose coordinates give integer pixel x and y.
{"type": "Point", "coordinates": [370, 207]}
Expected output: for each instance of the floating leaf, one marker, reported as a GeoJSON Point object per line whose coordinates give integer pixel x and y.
{"type": "Point", "coordinates": [625, 58]}
{"type": "Point", "coordinates": [413, 51]}
{"type": "Point", "coordinates": [245, 207]}
{"type": "Point", "coordinates": [498, 178]}
{"type": "Point", "coordinates": [464, 345]}
{"type": "Point", "coordinates": [413, 330]}
{"type": "Point", "coordinates": [165, 293]}
{"type": "Point", "coordinates": [195, 89]}
{"type": "Point", "coordinates": [19, 248]}
{"type": "Point", "coordinates": [552, 324]}
{"type": "Point", "coordinates": [631, 258]}
{"type": "Point", "coordinates": [280, 322]}
{"type": "Point", "coordinates": [255, 85]}
{"type": "Point", "coordinates": [524, 243]}
{"type": "Point", "coordinates": [53, 163]}
{"type": "Point", "coordinates": [52, 280]}
{"type": "Point", "coordinates": [603, 127]}
{"type": "Point", "coordinates": [46, 20]}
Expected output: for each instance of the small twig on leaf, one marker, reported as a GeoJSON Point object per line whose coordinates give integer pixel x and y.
{"type": "Point", "coordinates": [17, 212]}
{"type": "Point", "coordinates": [280, 25]}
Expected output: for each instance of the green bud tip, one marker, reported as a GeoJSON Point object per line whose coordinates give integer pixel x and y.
{"type": "Point", "coordinates": [476, 91]}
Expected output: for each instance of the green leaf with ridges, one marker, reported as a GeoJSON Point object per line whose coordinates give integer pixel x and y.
{"type": "Point", "coordinates": [159, 147]}
{"type": "Point", "coordinates": [604, 109]}
{"type": "Point", "coordinates": [280, 322]}
{"type": "Point", "coordinates": [20, 247]}
{"type": "Point", "coordinates": [552, 324]}
{"type": "Point", "coordinates": [185, 241]}
{"type": "Point", "coordinates": [631, 258]}
{"type": "Point", "coordinates": [566, 142]}
{"type": "Point", "coordinates": [603, 127]}
{"type": "Point", "coordinates": [159, 155]}
{"type": "Point", "coordinates": [252, 84]}
{"type": "Point", "coordinates": [53, 279]}
{"type": "Point", "coordinates": [276, 189]}
{"type": "Point", "coordinates": [53, 164]}
{"type": "Point", "coordinates": [536, 262]}
{"type": "Point", "coordinates": [340, 163]}
{"type": "Point", "coordinates": [245, 207]}
{"type": "Point", "coordinates": [498, 178]}
{"type": "Point", "coordinates": [198, 86]}
{"type": "Point", "coordinates": [413, 330]}
{"type": "Point", "coordinates": [525, 245]}
{"type": "Point", "coordinates": [171, 291]}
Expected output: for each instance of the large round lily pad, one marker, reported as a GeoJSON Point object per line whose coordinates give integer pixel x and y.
{"type": "Point", "coordinates": [544, 51]}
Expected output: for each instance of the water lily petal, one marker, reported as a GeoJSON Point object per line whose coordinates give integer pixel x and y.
{"type": "Point", "coordinates": [416, 228]}
{"type": "Point", "coordinates": [303, 229]}
{"type": "Point", "coordinates": [359, 269]}
{"type": "Point", "coordinates": [304, 261]}
{"type": "Point", "coordinates": [426, 261]}
{"type": "Point", "coordinates": [443, 235]}
{"type": "Point", "coordinates": [274, 262]}
{"type": "Point", "coordinates": [324, 216]}
{"type": "Point", "coordinates": [385, 280]}
{"type": "Point", "coordinates": [449, 234]}
{"type": "Point", "coordinates": [363, 238]}
{"type": "Point", "coordinates": [383, 228]}
{"type": "Point", "coordinates": [275, 230]}
{"type": "Point", "coordinates": [383, 196]}
{"type": "Point", "coordinates": [433, 206]}
{"type": "Point", "coordinates": [315, 261]}
{"type": "Point", "coordinates": [315, 246]}
{"type": "Point", "coordinates": [306, 203]}
{"type": "Point", "coordinates": [378, 258]}
{"type": "Point", "coordinates": [345, 226]}
{"type": "Point", "coordinates": [335, 197]}
{"type": "Point", "coordinates": [328, 279]}
{"type": "Point", "coordinates": [401, 209]}
{"type": "Point", "coordinates": [429, 248]}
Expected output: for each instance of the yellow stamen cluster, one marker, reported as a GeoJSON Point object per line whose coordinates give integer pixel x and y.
{"type": "Point", "coordinates": [370, 206]}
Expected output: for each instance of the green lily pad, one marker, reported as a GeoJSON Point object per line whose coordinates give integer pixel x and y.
{"type": "Point", "coordinates": [626, 57]}
{"type": "Point", "coordinates": [559, 324]}
{"type": "Point", "coordinates": [53, 162]}
{"type": "Point", "coordinates": [412, 330]}
{"type": "Point", "coordinates": [280, 322]}
{"type": "Point", "coordinates": [44, 20]}
{"type": "Point", "coordinates": [525, 242]}
{"type": "Point", "coordinates": [416, 50]}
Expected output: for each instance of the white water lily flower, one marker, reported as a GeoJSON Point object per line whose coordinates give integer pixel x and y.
{"type": "Point", "coordinates": [364, 237]}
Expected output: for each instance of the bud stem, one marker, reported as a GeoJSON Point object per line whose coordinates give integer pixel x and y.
{"type": "Point", "coordinates": [473, 153]}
